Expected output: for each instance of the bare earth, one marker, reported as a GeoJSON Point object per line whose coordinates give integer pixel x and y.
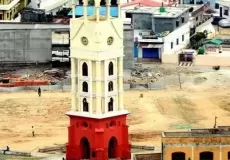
{"type": "Point", "coordinates": [155, 112]}
{"type": "Point", "coordinates": [202, 97]}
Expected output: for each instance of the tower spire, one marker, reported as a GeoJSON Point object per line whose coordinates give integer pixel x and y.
{"type": "Point", "coordinates": [85, 9]}
{"type": "Point", "coordinates": [108, 9]}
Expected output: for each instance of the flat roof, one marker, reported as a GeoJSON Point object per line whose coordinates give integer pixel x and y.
{"type": "Point", "coordinates": [224, 3]}
{"type": "Point", "coordinates": [170, 12]}
{"type": "Point", "coordinates": [220, 131]}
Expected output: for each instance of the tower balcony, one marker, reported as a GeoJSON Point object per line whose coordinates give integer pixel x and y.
{"type": "Point", "coordinates": [84, 78]}
{"type": "Point", "coordinates": [114, 93]}
{"type": "Point", "coordinates": [112, 77]}
{"type": "Point", "coordinates": [84, 94]}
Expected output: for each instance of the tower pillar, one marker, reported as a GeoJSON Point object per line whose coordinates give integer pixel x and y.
{"type": "Point", "coordinates": [85, 9]}
{"type": "Point", "coordinates": [119, 8]}
{"type": "Point", "coordinates": [120, 83]}
{"type": "Point", "coordinates": [98, 87]}
{"type": "Point", "coordinates": [108, 9]}
{"type": "Point", "coordinates": [74, 84]}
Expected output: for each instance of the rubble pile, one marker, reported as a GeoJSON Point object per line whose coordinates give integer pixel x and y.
{"type": "Point", "coordinates": [53, 76]}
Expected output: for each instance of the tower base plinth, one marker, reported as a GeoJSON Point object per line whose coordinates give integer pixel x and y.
{"type": "Point", "coordinates": [98, 138]}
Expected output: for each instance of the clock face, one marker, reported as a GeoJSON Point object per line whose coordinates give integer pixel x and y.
{"type": "Point", "coordinates": [110, 41]}
{"type": "Point", "coordinates": [84, 41]}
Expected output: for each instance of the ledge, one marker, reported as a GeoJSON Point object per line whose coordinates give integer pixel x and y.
{"type": "Point", "coordinates": [97, 116]}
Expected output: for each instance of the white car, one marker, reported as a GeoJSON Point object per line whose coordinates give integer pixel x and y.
{"type": "Point", "coordinates": [225, 23]}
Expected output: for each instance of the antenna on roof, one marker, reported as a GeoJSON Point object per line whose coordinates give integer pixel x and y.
{"type": "Point", "coordinates": [215, 122]}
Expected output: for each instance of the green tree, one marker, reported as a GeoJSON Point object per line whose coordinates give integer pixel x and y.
{"type": "Point", "coordinates": [91, 2]}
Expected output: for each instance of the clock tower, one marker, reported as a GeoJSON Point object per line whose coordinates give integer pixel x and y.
{"type": "Point", "coordinates": [98, 129]}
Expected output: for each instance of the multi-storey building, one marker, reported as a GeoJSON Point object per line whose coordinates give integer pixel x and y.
{"type": "Point", "coordinates": [160, 30]}
{"type": "Point", "coordinates": [10, 8]}
{"type": "Point", "coordinates": [98, 128]}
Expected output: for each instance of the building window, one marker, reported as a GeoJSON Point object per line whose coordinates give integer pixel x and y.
{"type": "Point", "coordinates": [110, 105]}
{"type": "Point", "coordinates": [177, 41]}
{"type": "Point", "coordinates": [128, 15]}
{"type": "Point", "coordinates": [85, 105]}
{"type": "Point", "coordinates": [197, 18]}
{"type": "Point", "coordinates": [177, 24]}
{"type": "Point", "coordinates": [182, 38]}
{"type": "Point", "coordinates": [110, 86]}
{"type": "Point", "coordinates": [182, 19]}
{"type": "Point", "coordinates": [110, 68]}
{"type": "Point", "coordinates": [85, 87]}
{"type": "Point", "coordinates": [171, 45]}
{"type": "Point", "coordinates": [225, 12]}
{"type": "Point", "coordinates": [217, 6]}
{"type": "Point", "coordinates": [85, 69]}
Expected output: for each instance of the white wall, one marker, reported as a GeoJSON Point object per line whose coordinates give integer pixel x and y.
{"type": "Point", "coordinates": [172, 37]}
{"type": "Point", "coordinates": [223, 9]}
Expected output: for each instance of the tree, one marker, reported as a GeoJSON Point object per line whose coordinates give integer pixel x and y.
{"type": "Point", "coordinates": [91, 2]}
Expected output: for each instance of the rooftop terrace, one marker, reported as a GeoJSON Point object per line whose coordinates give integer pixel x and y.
{"type": "Point", "coordinates": [206, 132]}
{"type": "Point", "coordinates": [170, 12]}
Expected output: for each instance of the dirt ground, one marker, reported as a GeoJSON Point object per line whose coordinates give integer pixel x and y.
{"type": "Point", "coordinates": [163, 110]}
{"type": "Point", "coordinates": [203, 96]}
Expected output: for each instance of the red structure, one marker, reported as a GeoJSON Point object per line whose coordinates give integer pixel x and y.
{"type": "Point", "coordinates": [98, 139]}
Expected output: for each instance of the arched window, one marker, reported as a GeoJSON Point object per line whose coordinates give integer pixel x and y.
{"type": "Point", "coordinates": [178, 156]}
{"type": "Point", "coordinates": [85, 87]}
{"type": "Point", "coordinates": [110, 86]}
{"type": "Point", "coordinates": [110, 68]}
{"type": "Point", "coordinates": [110, 105]}
{"type": "Point", "coordinates": [85, 105]}
{"type": "Point", "coordinates": [206, 156]}
{"type": "Point", "coordinates": [84, 69]}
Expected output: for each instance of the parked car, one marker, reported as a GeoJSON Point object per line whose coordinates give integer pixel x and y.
{"type": "Point", "coordinates": [225, 23]}
{"type": "Point", "coordinates": [216, 20]}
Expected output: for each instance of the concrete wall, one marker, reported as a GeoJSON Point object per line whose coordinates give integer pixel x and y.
{"type": "Point", "coordinates": [169, 24]}
{"type": "Point", "coordinates": [128, 49]}
{"type": "Point", "coordinates": [25, 46]}
{"type": "Point", "coordinates": [172, 38]}
{"type": "Point", "coordinates": [169, 58]}
{"type": "Point", "coordinates": [142, 21]}
{"type": "Point", "coordinates": [62, 38]}
{"type": "Point", "coordinates": [212, 60]}
{"type": "Point", "coordinates": [223, 11]}
{"type": "Point", "coordinates": [148, 156]}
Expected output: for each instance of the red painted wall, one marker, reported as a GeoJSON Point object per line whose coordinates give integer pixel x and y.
{"type": "Point", "coordinates": [98, 133]}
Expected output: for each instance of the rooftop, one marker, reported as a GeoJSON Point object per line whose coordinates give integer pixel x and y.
{"type": "Point", "coordinates": [224, 3]}
{"type": "Point", "coordinates": [170, 12]}
{"type": "Point", "coordinates": [149, 3]}
{"type": "Point", "coordinates": [206, 132]}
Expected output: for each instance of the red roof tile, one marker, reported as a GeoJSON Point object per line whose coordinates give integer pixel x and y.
{"type": "Point", "coordinates": [61, 20]}
{"type": "Point", "coordinates": [149, 3]}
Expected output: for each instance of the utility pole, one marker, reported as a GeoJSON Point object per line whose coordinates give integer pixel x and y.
{"type": "Point", "coordinates": [179, 79]}
{"type": "Point", "coordinates": [215, 122]}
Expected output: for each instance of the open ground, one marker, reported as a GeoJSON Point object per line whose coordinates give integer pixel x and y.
{"type": "Point", "coordinates": [195, 105]}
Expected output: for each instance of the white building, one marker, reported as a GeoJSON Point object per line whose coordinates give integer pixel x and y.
{"type": "Point", "coordinates": [160, 31]}
{"type": "Point", "coordinates": [224, 8]}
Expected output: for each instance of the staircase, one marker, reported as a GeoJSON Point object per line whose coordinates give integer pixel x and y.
{"type": "Point", "coordinates": [185, 64]}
